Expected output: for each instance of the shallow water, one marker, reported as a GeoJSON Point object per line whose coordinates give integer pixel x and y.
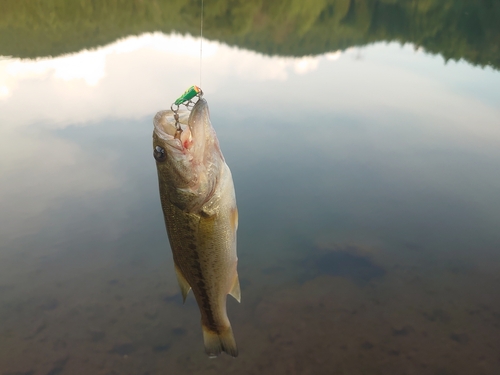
{"type": "Point", "coordinates": [367, 185]}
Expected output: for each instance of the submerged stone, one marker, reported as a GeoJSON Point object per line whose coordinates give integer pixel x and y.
{"type": "Point", "coordinates": [358, 268]}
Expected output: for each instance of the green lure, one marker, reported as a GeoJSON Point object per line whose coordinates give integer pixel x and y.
{"type": "Point", "coordinates": [189, 94]}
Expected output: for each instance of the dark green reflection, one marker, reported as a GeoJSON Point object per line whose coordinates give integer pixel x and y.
{"type": "Point", "coordinates": [455, 29]}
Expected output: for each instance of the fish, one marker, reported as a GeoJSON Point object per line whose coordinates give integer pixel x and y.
{"type": "Point", "coordinates": [201, 217]}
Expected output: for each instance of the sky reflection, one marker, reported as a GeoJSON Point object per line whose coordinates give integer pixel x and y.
{"type": "Point", "coordinates": [391, 110]}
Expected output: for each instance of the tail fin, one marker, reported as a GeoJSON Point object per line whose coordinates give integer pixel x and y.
{"type": "Point", "coordinates": [215, 343]}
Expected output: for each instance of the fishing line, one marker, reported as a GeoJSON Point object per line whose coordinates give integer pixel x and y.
{"type": "Point", "coordinates": [201, 37]}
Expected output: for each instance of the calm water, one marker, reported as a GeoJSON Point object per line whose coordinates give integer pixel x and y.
{"type": "Point", "coordinates": [368, 188]}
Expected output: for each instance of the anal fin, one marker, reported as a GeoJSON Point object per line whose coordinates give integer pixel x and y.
{"type": "Point", "coordinates": [235, 289]}
{"type": "Point", "coordinates": [183, 284]}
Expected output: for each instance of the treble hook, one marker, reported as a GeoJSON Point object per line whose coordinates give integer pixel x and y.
{"type": "Point", "coordinates": [186, 100]}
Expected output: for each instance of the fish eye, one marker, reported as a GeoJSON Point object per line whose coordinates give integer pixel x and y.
{"type": "Point", "coordinates": [159, 154]}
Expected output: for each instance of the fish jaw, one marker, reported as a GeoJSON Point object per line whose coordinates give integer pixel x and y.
{"type": "Point", "coordinates": [165, 128]}
{"type": "Point", "coordinates": [177, 164]}
{"type": "Point", "coordinates": [204, 147]}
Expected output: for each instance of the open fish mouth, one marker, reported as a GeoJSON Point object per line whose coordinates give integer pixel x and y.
{"type": "Point", "coordinates": [166, 129]}
{"type": "Point", "coordinates": [191, 135]}
{"type": "Point", "coordinates": [189, 132]}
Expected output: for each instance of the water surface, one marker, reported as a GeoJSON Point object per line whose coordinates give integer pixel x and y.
{"type": "Point", "coordinates": [367, 185]}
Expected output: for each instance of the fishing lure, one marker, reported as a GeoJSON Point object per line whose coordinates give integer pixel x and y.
{"type": "Point", "coordinates": [189, 94]}
{"type": "Point", "coordinates": [184, 99]}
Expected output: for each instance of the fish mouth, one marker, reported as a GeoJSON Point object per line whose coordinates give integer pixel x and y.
{"type": "Point", "coordinates": [165, 128]}
{"type": "Point", "coordinates": [194, 128]}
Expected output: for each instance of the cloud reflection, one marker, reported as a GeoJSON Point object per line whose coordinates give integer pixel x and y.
{"type": "Point", "coordinates": [129, 78]}
{"type": "Point", "coordinates": [135, 77]}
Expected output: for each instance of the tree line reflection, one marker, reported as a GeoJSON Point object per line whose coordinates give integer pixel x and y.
{"type": "Point", "coordinates": [455, 29]}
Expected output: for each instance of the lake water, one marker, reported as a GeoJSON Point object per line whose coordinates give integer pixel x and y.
{"type": "Point", "coordinates": [368, 188]}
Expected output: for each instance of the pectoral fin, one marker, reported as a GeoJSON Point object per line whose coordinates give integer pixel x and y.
{"type": "Point", "coordinates": [235, 290]}
{"type": "Point", "coordinates": [184, 285]}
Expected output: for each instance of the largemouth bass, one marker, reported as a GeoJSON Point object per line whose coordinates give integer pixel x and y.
{"type": "Point", "coordinates": [199, 207]}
